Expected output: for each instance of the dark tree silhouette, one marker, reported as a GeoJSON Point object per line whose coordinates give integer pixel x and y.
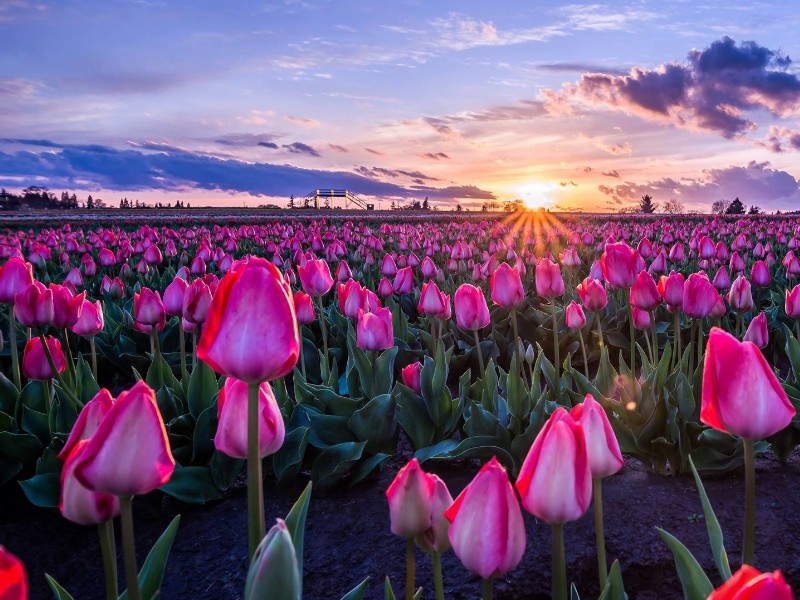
{"type": "Point", "coordinates": [735, 208]}
{"type": "Point", "coordinates": [646, 204]}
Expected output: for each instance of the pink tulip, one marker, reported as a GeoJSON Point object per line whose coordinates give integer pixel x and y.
{"type": "Point", "coordinates": [15, 276]}
{"type": "Point", "coordinates": [66, 306]}
{"type": "Point", "coordinates": [412, 376]}
{"type": "Point", "coordinates": [721, 280]}
{"type": "Point", "coordinates": [251, 331]}
{"type": "Point", "coordinates": [404, 281]}
{"type": "Point", "coordinates": [671, 289]}
{"type": "Point", "coordinates": [699, 296]}
{"type": "Point", "coordinates": [197, 302]}
{"type": "Point", "coordinates": [152, 256]}
{"type": "Point", "coordinates": [719, 310]}
{"type": "Point", "coordinates": [574, 316]}
{"type": "Point", "coordinates": [740, 297]}
{"type": "Point", "coordinates": [374, 330]}
{"type": "Point", "coordinates": [555, 481]}
{"type": "Point", "coordinates": [792, 304]}
{"type": "Point", "coordinates": [435, 539]}
{"type": "Point", "coordinates": [549, 283]}
{"type": "Point", "coordinates": [506, 286]}
{"type": "Point", "coordinates": [315, 276]}
{"type": "Point", "coordinates": [79, 504]}
{"type": "Point", "coordinates": [148, 310]}
{"type": "Point", "coordinates": [198, 266]}
{"type": "Point", "coordinates": [231, 436]}
{"type": "Point", "coordinates": [91, 321]}
{"type": "Point", "coordinates": [385, 288]}
{"type": "Point", "coordinates": [13, 579]}
{"type": "Point", "coordinates": [644, 293]}
{"type": "Point", "coordinates": [487, 510]}
{"type": "Point", "coordinates": [129, 453]}
{"type": "Point", "coordinates": [749, 583]}
{"type": "Point", "coordinates": [620, 265]}
{"type": "Point", "coordinates": [88, 421]}
{"type": "Point", "coordinates": [34, 360]}
{"type": "Point", "coordinates": [343, 272]}
{"type": "Point", "coordinates": [602, 447]}
{"type": "Point", "coordinates": [388, 266]}
{"type": "Point", "coordinates": [741, 394]}
{"type": "Point", "coordinates": [757, 332]}
{"type": "Point", "coordinates": [409, 497]}
{"type": "Point", "coordinates": [304, 308]}
{"type": "Point", "coordinates": [641, 319]}
{"type": "Point", "coordinates": [470, 307]}
{"type": "Point", "coordinates": [432, 302]}
{"type": "Point", "coordinates": [34, 306]}
{"type": "Point", "coordinates": [760, 274]}
{"type": "Point", "coordinates": [592, 294]}
{"type": "Point", "coordinates": [173, 296]}
{"type": "Point", "coordinates": [707, 249]}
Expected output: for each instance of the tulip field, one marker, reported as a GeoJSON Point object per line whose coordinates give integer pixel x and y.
{"type": "Point", "coordinates": [365, 405]}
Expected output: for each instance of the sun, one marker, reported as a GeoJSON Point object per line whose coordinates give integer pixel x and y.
{"type": "Point", "coordinates": [537, 194]}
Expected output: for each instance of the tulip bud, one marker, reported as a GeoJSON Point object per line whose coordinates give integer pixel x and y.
{"type": "Point", "coordinates": [549, 283]}
{"type": "Point", "coordinates": [757, 332]}
{"type": "Point", "coordinates": [173, 296]}
{"type": "Point", "coordinates": [620, 264]}
{"type": "Point", "coordinates": [374, 331]}
{"type": "Point", "coordinates": [470, 307]}
{"type": "Point", "coordinates": [506, 287]}
{"type": "Point", "coordinates": [411, 376]}
{"type": "Point", "coordinates": [592, 294]}
{"type": "Point", "coordinates": [404, 281]}
{"type": "Point", "coordinates": [274, 572]}
{"type": "Point", "coordinates": [740, 297]}
{"type": "Point", "coordinates": [197, 302]}
{"type": "Point", "coordinates": [15, 276]}
{"type": "Point", "coordinates": [574, 316]}
{"type": "Point", "coordinates": [315, 276]}
{"type": "Point", "coordinates": [699, 296]}
{"type": "Point", "coordinates": [750, 584]}
{"type": "Point", "coordinates": [34, 305]}
{"type": "Point", "coordinates": [13, 579]}
{"type": "Point", "coordinates": [79, 504]}
{"type": "Point", "coordinates": [740, 393]}
{"type": "Point", "coordinates": [34, 360]}
{"type": "Point", "coordinates": [641, 319]}
{"type": "Point", "coordinates": [304, 308]}
{"type": "Point", "coordinates": [671, 289]}
{"type": "Point", "coordinates": [231, 436]}
{"type": "Point", "coordinates": [432, 302]}
{"type": "Point", "coordinates": [644, 293]}
{"type": "Point", "coordinates": [792, 304]}
{"type": "Point", "coordinates": [434, 539]}
{"type": "Point", "coordinates": [409, 497]}
{"type": "Point", "coordinates": [385, 288]}
{"type": "Point", "coordinates": [602, 447]}
{"type": "Point", "coordinates": [760, 274]}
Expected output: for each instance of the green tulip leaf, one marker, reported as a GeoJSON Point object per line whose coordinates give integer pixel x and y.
{"type": "Point", "coordinates": [152, 572]}
{"type": "Point", "coordinates": [696, 585]}
{"type": "Point", "coordinates": [714, 530]}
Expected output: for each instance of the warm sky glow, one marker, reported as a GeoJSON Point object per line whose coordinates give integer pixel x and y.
{"type": "Point", "coordinates": [566, 106]}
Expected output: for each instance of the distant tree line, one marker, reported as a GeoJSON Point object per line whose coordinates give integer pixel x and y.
{"type": "Point", "coordinates": [34, 197]}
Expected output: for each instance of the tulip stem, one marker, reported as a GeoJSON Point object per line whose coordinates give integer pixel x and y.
{"type": "Point", "coordinates": [156, 357]}
{"type": "Point", "coordinates": [433, 335]}
{"type": "Point", "coordinates": [797, 329]}
{"type": "Point", "coordinates": [182, 339]}
{"type": "Point", "coordinates": [633, 342]}
{"type": "Point", "coordinates": [600, 537]}
{"type": "Point", "coordinates": [559, 575]}
{"type": "Point", "coordinates": [557, 363]}
{"type": "Point", "coordinates": [129, 547]}
{"type": "Point", "coordinates": [410, 569]}
{"type": "Point", "coordinates": [255, 490]}
{"type": "Point", "coordinates": [302, 354]}
{"type": "Point", "coordinates": [324, 328]}
{"type": "Point", "coordinates": [583, 350]}
{"type": "Point", "coordinates": [739, 325]}
{"type": "Point", "coordinates": [94, 357]}
{"type": "Point", "coordinates": [654, 333]}
{"type": "Point", "coordinates": [478, 349]}
{"type": "Point", "coordinates": [699, 343]}
{"type": "Point", "coordinates": [68, 352]}
{"type": "Point", "coordinates": [488, 584]}
{"type": "Point", "coordinates": [599, 329]}
{"type": "Point", "coordinates": [57, 375]}
{"type": "Point", "coordinates": [438, 584]}
{"type": "Point", "coordinates": [105, 532]}
{"type": "Point", "coordinates": [676, 320]}
{"type": "Point", "coordinates": [649, 346]}
{"type": "Point", "coordinates": [12, 337]}
{"type": "Point", "coordinates": [749, 501]}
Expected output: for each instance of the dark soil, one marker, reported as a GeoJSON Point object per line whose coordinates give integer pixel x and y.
{"type": "Point", "coordinates": [348, 538]}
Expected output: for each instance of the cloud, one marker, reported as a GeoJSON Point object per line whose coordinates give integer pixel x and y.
{"type": "Point", "coordinates": [567, 183]}
{"type": "Point", "coordinates": [246, 140]}
{"type": "Point", "coordinates": [300, 148]}
{"type": "Point", "coordinates": [623, 149]}
{"type": "Point", "coordinates": [270, 145]}
{"type": "Point", "coordinates": [19, 87]}
{"type": "Point", "coordinates": [781, 139]}
{"type": "Point", "coordinates": [580, 67]}
{"type": "Point", "coordinates": [375, 152]}
{"type": "Point", "coordinates": [434, 155]}
{"type": "Point", "coordinates": [755, 183]}
{"type": "Point", "coordinates": [613, 173]}
{"type": "Point", "coordinates": [172, 169]}
{"type": "Point", "coordinates": [718, 89]}
{"type": "Point", "coordinates": [374, 172]}
{"type": "Point", "coordinates": [338, 148]}
{"type": "Point", "coordinates": [303, 121]}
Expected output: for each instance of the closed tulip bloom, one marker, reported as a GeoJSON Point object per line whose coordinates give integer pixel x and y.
{"type": "Point", "coordinates": [34, 306]}
{"type": "Point", "coordinates": [470, 307]}
{"type": "Point", "coordinates": [197, 302]}
{"type": "Point", "coordinates": [173, 296]}
{"type": "Point", "coordinates": [722, 280]}
{"type": "Point", "coordinates": [91, 321]}
{"type": "Point", "coordinates": [506, 286]}
{"type": "Point", "coordinates": [707, 249]}
{"type": "Point", "coordinates": [760, 274]}
{"type": "Point", "coordinates": [13, 580]}
{"type": "Point", "coordinates": [719, 310]}
{"type": "Point", "coordinates": [737, 263]}
{"type": "Point", "coordinates": [88, 421]}
{"type": "Point", "coordinates": [592, 294]}
{"type": "Point", "coordinates": [428, 267]}
{"type": "Point", "coordinates": [549, 283]}
{"type": "Point", "coordinates": [148, 308]}
{"type": "Point", "coordinates": [343, 272]}
{"type": "Point", "coordinates": [251, 331]}
{"type": "Point", "coordinates": [555, 481]}
{"type": "Point", "coordinates": [659, 264]}
{"type": "Point", "coordinates": [641, 319]}
{"type": "Point", "coordinates": [432, 302]}
{"type": "Point", "coordinates": [385, 288]}
{"type": "Point", "coordinates": [231, 436]}
{"type": "Point", "coordinates": [699, 296]}
{"type": "Point", "coordinates": [106, 257]}
{"type": "Point", "coordinates": [274, 572]}
{"type": "Point", "coordinates": [304, 308]}
{"type": "Point", "coordinates": [758, 332]}
{"type": "Point", "coordinates": [412, 376]}
{"type": "Point", "coordinates": [409, 497]}
{"type": "Point", "coordinates": [487, 510]}
{"type": "Point", "coordinates": [198, 266]}
{"type": "Point", "coordinates": [749, 583]}
{"type": "Point", "coordinates": [404, 281]}
{"type": "Point", "coordinates": [644, 293]}
{"type": "Point", "coordinates": [740, 297]}
{"type": "Point", "coordinates": [388, 266]}
{"type": "Point", "coordinates": [74, 277]}
{"type": "Point", "coordinates": [602, 447]}
{"type": "Point", "coordinates": [34, 360]}
{"type": "Point", "coordinates": [66, 306]}
{"type": "Point", "coordinates": [570, 258]}
{"type": "Point", "coordinates": [671, 289]}
{"type": "Point", "coordinates": [152, 256]}
{"type": "Point", "coordinates": [315, 276]}
{"type": "Point", "coordinates": [620, 264]}
{"type": "Point", "coordinates": [434, 539]}
{"type": "Point", "coordinates": [740, 393]}
{"type": "Point", "coordinates": [79, 504]}
{"type": "Point", "coordinates": [574, 316]}
{"type": "Point", "coordinates": [374, 330]}
{"type": "Point", "coordinates": [15, 276]}
{"type": "Point", "coordinates": [792, 304]}
{"type": "Point", "coordinates": [129, 453]}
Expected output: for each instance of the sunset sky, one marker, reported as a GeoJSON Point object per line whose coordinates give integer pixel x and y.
{"type": "Point", "coordinates": [568, 106]}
